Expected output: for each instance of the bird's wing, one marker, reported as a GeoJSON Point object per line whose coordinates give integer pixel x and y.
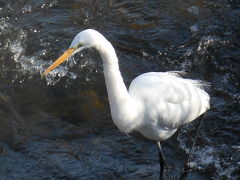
{"type": "Point", "coordinates": [167, 99]}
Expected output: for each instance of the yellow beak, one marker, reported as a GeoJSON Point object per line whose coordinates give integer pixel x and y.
{"type": "Point", "coordinates": [60, 60]}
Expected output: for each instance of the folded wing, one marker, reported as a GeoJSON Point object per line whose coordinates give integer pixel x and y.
{"type": "Point", "coordinates": [168, 100]}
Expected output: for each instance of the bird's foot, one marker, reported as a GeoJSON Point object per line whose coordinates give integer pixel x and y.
{"type": "Point", "coordinates": [185, 171]}
{"type": "Point", "coordinates": [162, 174]}
{"type": "Point", "coordinates": [164, 171]}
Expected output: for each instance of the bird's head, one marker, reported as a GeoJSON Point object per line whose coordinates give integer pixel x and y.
{"type": "Point", "coordinates": [85, 39]}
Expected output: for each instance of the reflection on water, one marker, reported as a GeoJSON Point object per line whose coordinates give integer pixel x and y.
{"type": "Point", "coordinates": [59, 127]}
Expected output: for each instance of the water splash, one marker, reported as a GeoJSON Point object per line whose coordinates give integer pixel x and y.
{"type": "Point", "coordinates": [207, 41]}
{"type": "Point", "coordinates": [196, 56]}
{"type": "Point", "coordinates": [194, 28]}
{"type": "Point", "coordinates": [32, 64]}
{"type": "Point", "coordinates": [193, 10]}
{"type": "Point", "coordinates": [27, 9]}
{"type": "Point", "coordinates": [49, 4]}
{"type": "Point", "coordinates": [209, 156]}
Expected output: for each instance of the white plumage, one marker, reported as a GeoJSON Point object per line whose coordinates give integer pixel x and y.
{"type": "Point", "coordinates": [156, 104]}
{"type": "Point", "coordinates": [167, 101]}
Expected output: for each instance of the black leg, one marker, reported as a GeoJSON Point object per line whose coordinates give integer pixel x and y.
{"type": "Point", "coordinates": [161, 159]}
{"type": "Point", "coordinates": [187, 164]}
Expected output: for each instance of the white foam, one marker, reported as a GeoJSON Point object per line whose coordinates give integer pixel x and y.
{"type": "Point", "coordinates": [209, 155]}
{"type": "Point", "coordinates": [194, 10]}
{"type": "Point", "coordinates": [33, 64]}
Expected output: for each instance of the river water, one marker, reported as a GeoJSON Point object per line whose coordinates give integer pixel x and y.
{"type": "Point", "coordinates": [59, 127]}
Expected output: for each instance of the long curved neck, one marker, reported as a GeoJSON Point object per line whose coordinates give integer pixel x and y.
{"type": "Point", "coordinates": [117, 91]}
{"type": "Point", "coordinates": [123, 107]}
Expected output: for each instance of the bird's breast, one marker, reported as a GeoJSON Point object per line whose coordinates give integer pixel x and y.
{"type": "Point", "coordinates": [127, 115]}
{"type": "Point", "coordinates": [156, 133]}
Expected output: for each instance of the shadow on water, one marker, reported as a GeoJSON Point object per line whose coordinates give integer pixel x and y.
{"type": "Point", "coordinates": [61, 128]}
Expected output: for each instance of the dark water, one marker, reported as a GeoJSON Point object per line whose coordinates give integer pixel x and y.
{"type": "Point", "coordinates": [61, 128]}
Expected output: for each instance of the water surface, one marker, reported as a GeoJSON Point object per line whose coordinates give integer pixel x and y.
{"type": "Point", "coordinates": [59, 127]}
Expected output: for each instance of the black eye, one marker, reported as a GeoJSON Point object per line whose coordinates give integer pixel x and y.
{"type": "Point", "coordinates": [79, 45]}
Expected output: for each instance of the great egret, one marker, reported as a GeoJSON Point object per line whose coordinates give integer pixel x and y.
{"type": "Point", "coordinates": [156, 104]}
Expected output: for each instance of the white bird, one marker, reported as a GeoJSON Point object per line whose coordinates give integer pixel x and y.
{"type": "Point", "coordinates": [156, 103]}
